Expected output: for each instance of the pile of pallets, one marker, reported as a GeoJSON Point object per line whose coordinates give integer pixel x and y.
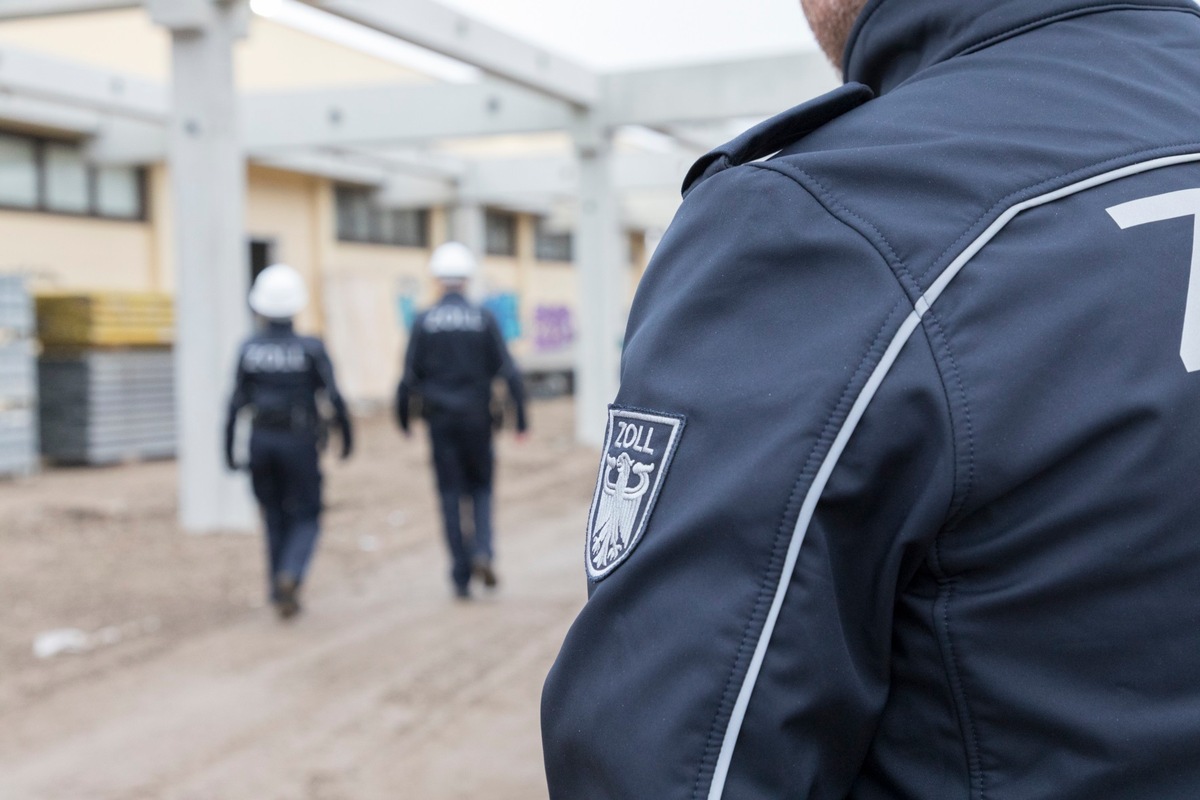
{"type": "Point", "coordinates": [106, 378]}
{"type": "Point", "coordinates": [18, 380]}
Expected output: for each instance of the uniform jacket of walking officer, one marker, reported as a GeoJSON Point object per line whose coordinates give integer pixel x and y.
{"type": "Point", "coordinates": [901, 493]}
{"type": "Point", "coordinates": [279, 376]}
{"type": "Point", "coordinates": [455, 352]}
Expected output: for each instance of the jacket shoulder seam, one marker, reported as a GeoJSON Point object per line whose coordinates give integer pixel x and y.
{"type": "Point", "coordinates": [848, 217]}
{"type": "Point", "coordinates": [912, 291]}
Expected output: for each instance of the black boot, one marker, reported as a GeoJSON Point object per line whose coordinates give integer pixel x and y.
{"type": "Point", "coordinates": [286, 600]}
{"type": "Point", "coordinates": [482, 569]}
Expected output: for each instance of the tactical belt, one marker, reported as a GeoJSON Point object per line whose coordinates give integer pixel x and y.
{"type": "Point", "coordinates": [294, 420]}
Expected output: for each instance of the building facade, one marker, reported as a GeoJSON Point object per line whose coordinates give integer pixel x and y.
{"type": "Point", "coordinates": [70, 223]}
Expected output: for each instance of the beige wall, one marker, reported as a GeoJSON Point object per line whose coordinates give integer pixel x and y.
{"type": "Point", "coordinates": [71, 252]}
{"type": "Point", "coordinates": [282, 207]}
{"type": "Point", "coordinates": [364, 288]}
{"type": "Point", "coordinates": [278, 57]}
{"type": "Point", "coordinates": [501, 274]}
{"type": "Point", "coordinates": [271, 57]}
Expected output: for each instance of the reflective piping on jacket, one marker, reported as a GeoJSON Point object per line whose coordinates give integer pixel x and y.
{"type": "Point", "coordinates": [910, 324]}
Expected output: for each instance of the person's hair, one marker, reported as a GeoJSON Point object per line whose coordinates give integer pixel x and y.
{"type": "Point", "coordinates": [831, 22]}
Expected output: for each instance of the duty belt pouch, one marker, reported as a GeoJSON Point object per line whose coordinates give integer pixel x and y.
{"type": "Point", "coordinates": [294, 420]}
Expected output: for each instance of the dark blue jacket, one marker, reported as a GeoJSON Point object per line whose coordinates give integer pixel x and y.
{"type": "Point", "coordinates": [927, 520]}
{"type": "Point", "coordinates": [279, 375]}
{"type": "Point", "coordinates": [455, 352]}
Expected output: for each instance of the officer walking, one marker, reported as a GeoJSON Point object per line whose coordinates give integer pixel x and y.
{"type": "Point", "coordinates": [899, 492]}
{"type": "Point", "coordinates": [455, 352]}
{"type": "Point", "coordinates": [279, 375]}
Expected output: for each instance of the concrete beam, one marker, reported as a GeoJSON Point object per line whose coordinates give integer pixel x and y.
{"type": "Point", "coordinates": [413, 161]}
{"type": "Point", "coordinates": [411, 191]}
{"type": "Point", "coordinates": [22, 9]}
{"type": "Point", "coordinates": [199, 16]}
{"type": "Point", "coordinates": [712, 91]}
{"type": "Point", "coordinates": [649, 211]}
{"type": "Point", "coordinates": [655, 98]}
{"type": "Point", "coordinates": [208, 191]}
{"type": "Point", "coordinates": [640, 211]}
{"type": "Point", "coordinates": [560, 177]}
{"type": "Point", "coordinates": [435, 27]}
{"type": "Point", "coordinates": [491, 179]}
{"type": "Point", "coordinates": [323, 165]}
{"type": "Point", "coordinates": [120, 141]}
{"type": "Point", "coordinates": [756, 87]}
{"type": "Point", "coordinates": [47, 78]}
{"type": "Point", "coordinates": [47, 115]}
{"type": "Point", "coordinates": [416, 112]}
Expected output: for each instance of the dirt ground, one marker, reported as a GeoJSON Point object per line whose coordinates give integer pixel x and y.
{"type": "Point", "coordinates": [188, 687]}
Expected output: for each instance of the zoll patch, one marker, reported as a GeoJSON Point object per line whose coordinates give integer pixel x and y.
{"type": "Point", "coordinates": [638, 449]}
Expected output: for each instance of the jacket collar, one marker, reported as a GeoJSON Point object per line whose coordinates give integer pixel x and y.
{"type": "Point", "coordinates": [279, 327]}
{"type": "Point", "coordinates": [895, 39]}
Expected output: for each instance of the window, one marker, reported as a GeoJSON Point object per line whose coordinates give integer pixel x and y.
{"type": "Point", "coordinates": [361, 219]}
{"type": "Point", "coordinates": [552, 245]}
{"type": "Point", "coordinates": [18, 172]}
{"type": "Point", "coordinates": [353, 214]}
{"type": "Point", "coordinates": [45, 175]}
{"type": "Point", "coordinates": [410, 227]}
{"type": "Point", "coordinates": [119, 192]}
{"type": "Point", "coordinates": [66, 179]}
{"type": "Point", "coordinates": [500, 232]}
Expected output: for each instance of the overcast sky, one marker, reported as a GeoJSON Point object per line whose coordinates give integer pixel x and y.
{"type": "Point", "coordinates": [613, 34]}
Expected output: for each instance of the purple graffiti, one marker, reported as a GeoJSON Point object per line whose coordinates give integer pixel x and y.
{"type": "Point", "coordinates": [554, 328]}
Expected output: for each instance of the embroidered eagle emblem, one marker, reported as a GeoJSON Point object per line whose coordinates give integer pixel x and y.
{"type": "Point", "coordinates": [637, 452]}
{"type": "Point", "coordinates": [617, 513]}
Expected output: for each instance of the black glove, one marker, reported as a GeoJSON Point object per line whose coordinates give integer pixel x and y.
{"type": "Point", "coordinates": [347, 437]}
{"type": "Point", "coordinates": [230, 424]}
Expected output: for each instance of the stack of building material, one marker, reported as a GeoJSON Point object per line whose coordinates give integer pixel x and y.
{"type": "Point", "coordinates": [105, 319]}
{"type": "Point", "coordinates": [18, 380]}
{"type": "Point", "coordinates": [106, 377]}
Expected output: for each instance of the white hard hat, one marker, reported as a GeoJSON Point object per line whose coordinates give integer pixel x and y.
{"type": "Point", "coordinates": [452, 261]}
{"type": "Point", "coordinates": [279, 292]}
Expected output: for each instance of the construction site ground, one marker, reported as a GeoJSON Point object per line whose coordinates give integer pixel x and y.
{"type": "Point", "coordinates": [180, 683]}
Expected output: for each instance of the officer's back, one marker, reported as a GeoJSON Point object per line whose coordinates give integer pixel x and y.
{"type": "Point", "coordinates": [930, 531]}
{"type": "Point", "coordinates": [456, 353]}
{"type": "Point", "coordinates": [281, 375]}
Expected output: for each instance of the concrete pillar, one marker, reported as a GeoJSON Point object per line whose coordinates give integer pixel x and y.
{"type": "Point", "coordinates": [600, 259]}
{"type": "Point", "coordinates": [208, 188]}
{"type": "Point", "coordinates": [468, 224]}
{"type": "Point", "coordinates": [526, 279]}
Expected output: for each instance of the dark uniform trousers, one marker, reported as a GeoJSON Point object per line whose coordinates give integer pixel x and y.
{"type": "Point", "coordinates": [286, 476]}
{"type": "Point", "coordinates": [463, 460]}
